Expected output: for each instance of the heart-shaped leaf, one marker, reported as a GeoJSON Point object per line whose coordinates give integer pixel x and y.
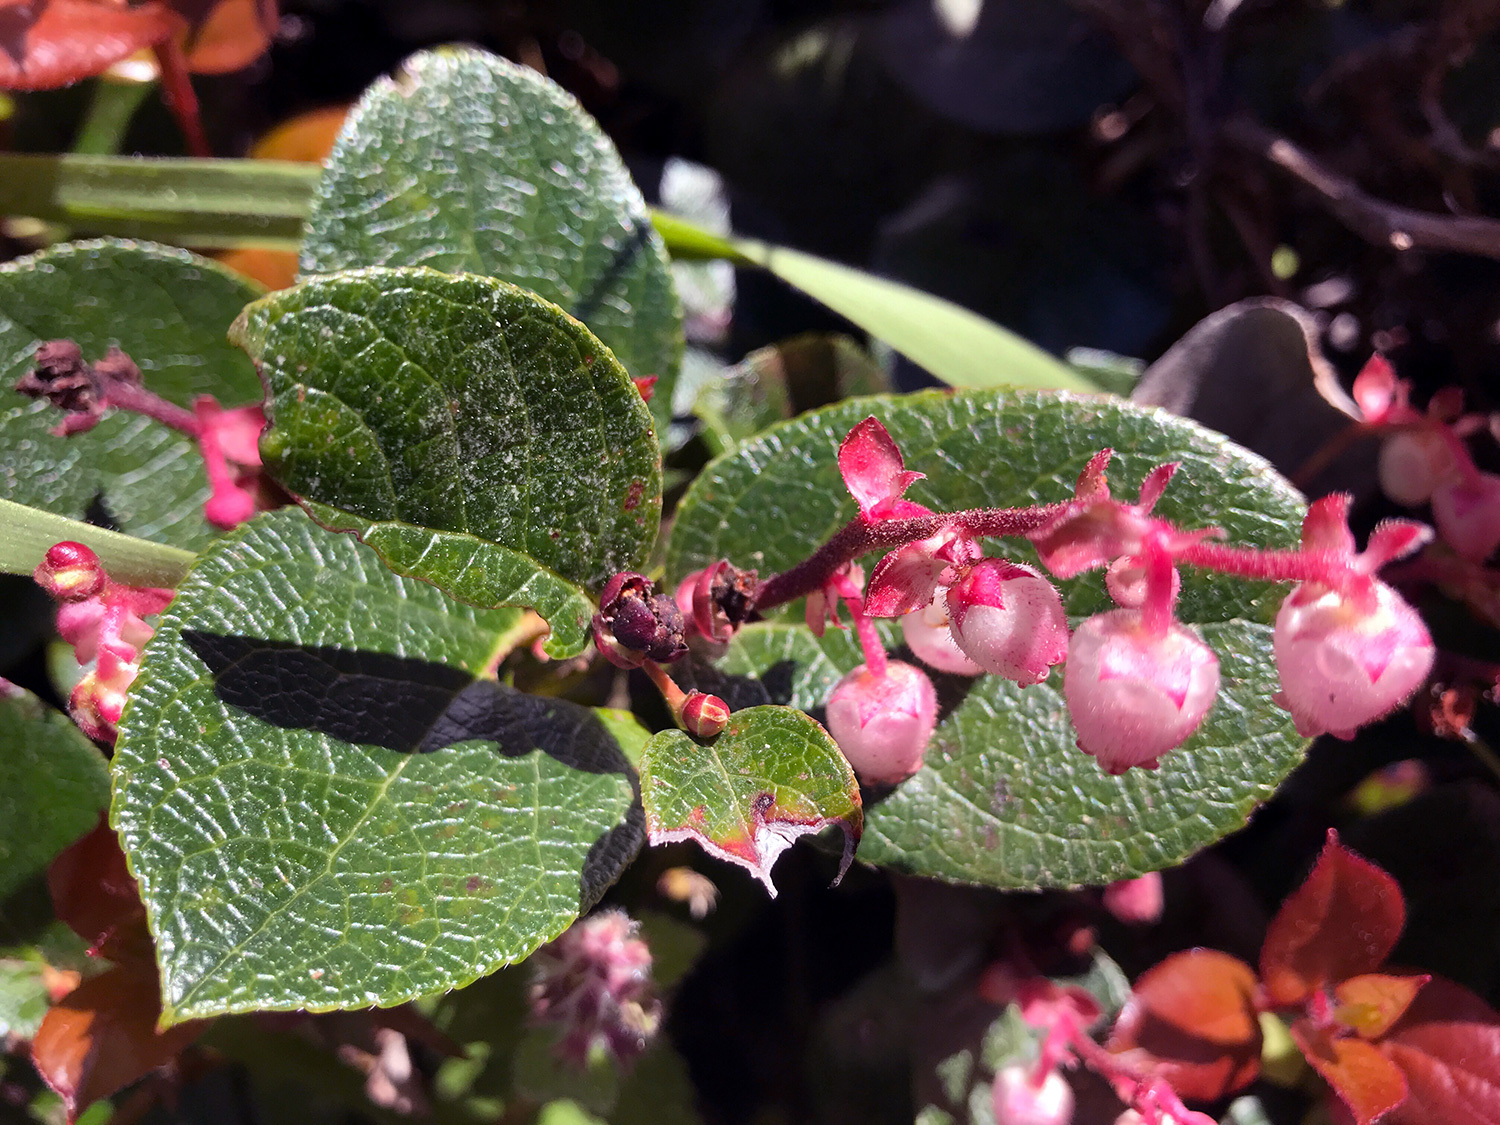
{"type": "Point", "coordinates": [471, 164]}
{"type": "Point", "coordinates": [53, 785]}
{"type": "Point", "coordinates": [1005, 798]}
{"type": "Point", "coordinates": [168, 310]}
{"type": "Point", "coordinates": [772, 775]}
{"type": "Point", "coordinates": [458, 405]}
{"type": "Point", "coordinates": [325, 808]}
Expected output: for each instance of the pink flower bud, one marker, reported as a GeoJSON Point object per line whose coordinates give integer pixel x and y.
{"type": "Point", "coordinates": [1467, 515]}
{"type": "Point", "coordinates": [1412, 464]}
{"type": "Point", "coordinates": [1138, 901]}
{"type": "Point", "coordinates": [1346, 661]}
{"type": "Point", "coordinates": [1133, 695]}
{"type": "Point", "coordinates": [1126, 582]}
{"type": "Point", "coordinates": [704, 715]}
{"type": "Point", "coordinates": [882, 723]}
{"type": "Point", "coordinates": [70, 572]}
{"type": "Point", "coordinates": [593, 985]}
{"type": "Point", "coordinates": [930, 638]}
{"type": "Point", "coordinates": [1009, 620]}
{"type": "Point", "coordinates": [1018, 1101]}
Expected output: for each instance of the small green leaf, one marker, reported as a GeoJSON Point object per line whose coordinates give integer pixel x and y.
{"type": "Point", "coordinates": [1005, 798]}
{"type": "Point", "coordinates": [955, 344]}
{"type": "Point", "coordinates": [457, 404]}
{"type": "Point", "coordinates": [322, 804]}
{"type": "Point", "coordinates": [471, 164]}
{"type": "Point", "coordinates": [168, 310]}
{"type": "Point", "coordinates": [23, 997]}
{"type": "Point", "coordinates": [53, 785]}
{"type": "Point", "coordinates": [746, 796]}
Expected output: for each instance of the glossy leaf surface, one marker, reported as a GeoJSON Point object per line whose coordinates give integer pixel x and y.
{"type": "Point", "coordinates": [457, 404]}
{"type": "Point", "coordinates": [745, 796]}
{"type": "Point", "coordinates": [53, 785]}
{"type": "Point", "coordinates": [1005, 798]}
{"type": "Point", "coordinates": [326, 809]}
{"type": "Point", "coordinates": [471, 164]}
{"type": "Point", "coordinates": [168, 310]}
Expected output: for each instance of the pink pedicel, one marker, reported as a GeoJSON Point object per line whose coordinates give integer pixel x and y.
{"type": "Point", "coordinates": [593, 986]}
{"type": "Point", "coordinates": [1467, 514]}
{"type": "Point", "coordinates": [1009, 620]}
{"type": "Point", "coordinates": [930, 638]}
{"type": "Point", "coordinates": [1135, 693]}
{"type": "Point", "coordinates": [883, 723]}
{"type": "Point", "coordinates": [1020, 1101]}
{"type": "Point", "coordinates": [1348, 660]}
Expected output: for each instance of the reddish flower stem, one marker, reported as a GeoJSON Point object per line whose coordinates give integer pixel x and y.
{"type": "Point", "coordinates": [860, 536]}
{"type": "Point", "coordinates": [1329, 568]}
{"type": "Point", "coordinates": [869, 638]}
{"type": "Point", "coordinates": [137, 400]}
{"type": "Point", "coordinates": [671, 694]}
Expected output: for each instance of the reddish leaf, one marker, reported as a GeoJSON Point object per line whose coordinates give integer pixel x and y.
{"type": "Point", "coordinates": [95, 894]}
{"type": "Point", "coordinates": [226, 35]}
{"type": "Point", "coordinates": [49, 43]}
{"type": "Point", "coordinates": [1342, 922]}
{"type": "Point", "coordinates": [1370, 1004]}
{"type": "Point", "coordinates": [1367, 1082]}
{"type": "Point", "coordinates": [1448, 1046]}
{"type": "Point", "coordinates": [1192, 1018]}
{"type": "Point", "coordinates": [102, 1036]}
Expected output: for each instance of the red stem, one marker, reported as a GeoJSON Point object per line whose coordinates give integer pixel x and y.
{"type": "Point", "coordinates": [869, 637]}
{"type": "Point", "coordinates": [178, 94]}
{"type": "Point", "coordinates": [861, 536]}
{"type": "Point", "coordinates": [1330, 568]}
{"type": "Point", "coordinates": [137, 400]}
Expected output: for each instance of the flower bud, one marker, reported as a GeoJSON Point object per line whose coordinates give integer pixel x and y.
{"type": "Point", "coordinates": [1009, 620]}
{"type": "Point", "coordinates": [882, 723]}
{"type": "Point", "coordinates": [1138, 901]}
{"type": "Point", "coordinates": [1018, 1101]}
{"type": "Point", "coordinates": [1134, 695]}
{"type": "Point", "coordinates": [1468, 516]}
{"type": "Point", "coordinates": [930, 638]}
{"type": "Point", "coordinates": [1347, 661]}
{"type": "Point", "coordinates": [70, 572]}
{"type": "Point", "coordinates": [1412, 464]}
{"type": "Point", "coordinates": [704, 715]}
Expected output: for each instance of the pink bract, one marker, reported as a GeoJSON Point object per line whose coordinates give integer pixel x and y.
{"type": "Point", "coordinates": [1132, 695]}
{"type": "Point", "coordinates": [882, 723]}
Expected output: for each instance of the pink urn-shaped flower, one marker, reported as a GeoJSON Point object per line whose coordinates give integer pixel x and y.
{"type": "Point", "coordinates": [930, 637]}
{"type": "Point", "coordinates": [1009, 620]}
{"type": "Point", "coordinates": [1020, 1101]}
{"type": "Point", "coordinates": [1134, 693]}
{"type": "Point", "coordinates": [882, 723]}
{"type": "Point", "coordinates": [1346, 660]}
{"type": "Point", "coordinates": [1467, 514]}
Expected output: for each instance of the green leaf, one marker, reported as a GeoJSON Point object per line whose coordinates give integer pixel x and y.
{"type": "Point", "coordinates": [206, 203]}
{"type": "Point", "coordinates": [471, 164]}
{"type": "Point", "coordinates": [26, 533]}
{"type": "Point", "coordinates": [1005, 798]}
{"type": "Point", "coordinates": [457, 404]}
{"type": "Point", "coordinates": [325, 809]}
{"type": "Point", "coordinates": [168, 310]}
{"type": "Point", "coordinates": [746, 796]}
{"type": "Point", "coordinates": [23, 997]}
{"type": "Point", "coordinates": [956, 345]}
{"type": "Point", "coordinates": [53, 785]}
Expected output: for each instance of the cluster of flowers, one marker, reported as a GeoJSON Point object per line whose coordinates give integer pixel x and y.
{"type": "Point", "coordinates": [1425, 459]}
{"type": "Point", "coordinates": [1138, 682]}
{"type": "Point", "coordinates": [227, 439]}
{"type": "Point", "coordinates": [105, 623]}
{"type": "Point", "coordinates": [593, 986]}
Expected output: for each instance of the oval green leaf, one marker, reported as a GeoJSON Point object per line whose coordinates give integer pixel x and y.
{"type": "Point", "coordinates": [168, 310]}
{"type": "Point", "coordinates": [772, 775]}
{"type": "Point", "coordinates": [456, 404]}
{"type": "Point", "coordinates": [1005, 798]}
{"type": "Point", "coordinates": [53, 785]}
{"type": "Point", "coordinates": [326, 809]}
{"type": "Point", "coordinates": [471, 164]}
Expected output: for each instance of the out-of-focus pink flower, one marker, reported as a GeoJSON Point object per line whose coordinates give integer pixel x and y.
{"type": "Point", "coordinates": [883, 723]}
